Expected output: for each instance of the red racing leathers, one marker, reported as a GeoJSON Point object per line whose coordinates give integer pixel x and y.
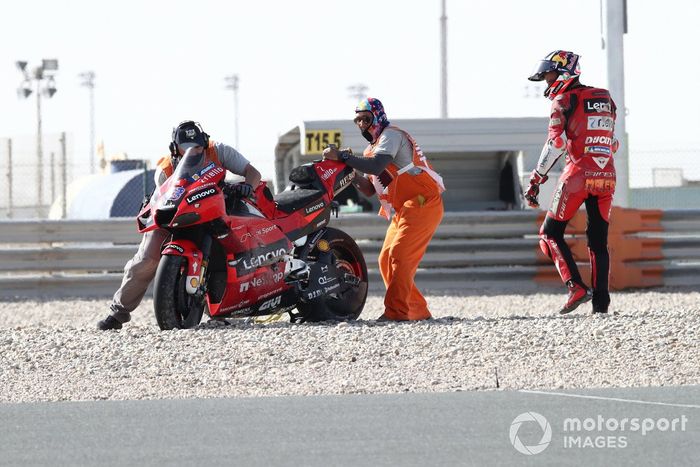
{"type": "Point", "coordinates": [583, 117]}
{"type": "Point", "coordinates": [586, 116]}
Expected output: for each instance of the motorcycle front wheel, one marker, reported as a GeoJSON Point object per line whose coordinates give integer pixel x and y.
{"type": "Point", "coordinates": [174, 307]}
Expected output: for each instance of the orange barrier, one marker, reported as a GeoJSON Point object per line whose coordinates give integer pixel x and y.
{"type": "Point", "coordinates": [627, 252]}
{"type": "Point", "coordinates": [622, 221]}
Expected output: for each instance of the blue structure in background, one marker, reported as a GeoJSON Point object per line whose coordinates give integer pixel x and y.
{"type": "Point", "coordinates": [118, 193]}
{"type": "Point", "coordinates": [128, 200]}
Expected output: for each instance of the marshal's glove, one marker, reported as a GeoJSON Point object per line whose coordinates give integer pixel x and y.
{"type": "Point", "coordinates": [534, 190]}
{"type": "Point", "coordinates": [238, 190]}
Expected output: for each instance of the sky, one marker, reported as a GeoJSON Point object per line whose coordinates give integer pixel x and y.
{"type": "Point", "coordinates": [160, 62]}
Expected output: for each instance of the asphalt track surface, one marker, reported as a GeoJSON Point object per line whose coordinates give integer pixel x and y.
{"type": "Point", "coordinates": [426, 429]}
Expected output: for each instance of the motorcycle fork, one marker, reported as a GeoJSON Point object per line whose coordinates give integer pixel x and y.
{"type": "Point", "coordinates": [206, 251]}
{"type": "Point", "coordinates": [195, 284]}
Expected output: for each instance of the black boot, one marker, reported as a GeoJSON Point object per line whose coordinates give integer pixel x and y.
{"type": "Point", "coordinates": [601, 301]}
{"type": "Point", "coordinates": [110, 322]}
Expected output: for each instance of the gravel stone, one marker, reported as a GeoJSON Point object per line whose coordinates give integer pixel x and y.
{"type": "Point", "coordinates": [52, 351]}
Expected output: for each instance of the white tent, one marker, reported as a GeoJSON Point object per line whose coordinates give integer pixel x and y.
{"type": "Point", "coordinates": [116, 194]}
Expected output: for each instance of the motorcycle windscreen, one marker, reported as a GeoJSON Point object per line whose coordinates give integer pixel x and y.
{"type": "Point", "coordinates": [190, 165]}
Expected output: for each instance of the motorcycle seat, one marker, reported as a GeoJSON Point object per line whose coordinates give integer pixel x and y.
{"type": "Point", "coordinates": [303, 176]}
{"type": "Point", "coordinates": [293, 200]}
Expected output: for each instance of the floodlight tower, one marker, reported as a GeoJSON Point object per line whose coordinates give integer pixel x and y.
{"type": "Point", "coordinates": [88, 81]}
{"type": "Point", "coordinates": [43, 76]}
{"type": "Point", "coordinates": [232, 83]}
{"type": "Point", "coordinates": [443, 61]}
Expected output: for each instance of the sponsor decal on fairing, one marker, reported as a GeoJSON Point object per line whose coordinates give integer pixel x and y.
{"type": "Point", "coordinates": [200, 195]}
{"type": "Point", "coordinates": [315, 207]}
{"type": "Point", "coordinates": [259, 281]}
{"type": "Point", "coordinates": [270, 303]}
{"type": "Point", "coordinates": [207, 168]}
{"type": "Point", "coordinates": [260, 259]}
{"type": "Point", "coordinates": [176, 193]}
{"type": "Point", "coordinates": [265, 230]}
{"type": "Point", "coordinates": [345, 180]}
{"type": "Point", "coordinates": [177, 248]}
{"type": "Point", "coordinates": [328, 173]}
{"type": "Point", "coordinates": [323, 280]}
{"type": "Point", "coordinates": [212, 173]}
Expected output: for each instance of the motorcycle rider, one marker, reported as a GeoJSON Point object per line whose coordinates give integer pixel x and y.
{"type": "Point", "coordinates": [141, 269]}
{"type": "Point", "coordinates": [581, 126]}
{"type": "Point", "coordinates": [408, 188]}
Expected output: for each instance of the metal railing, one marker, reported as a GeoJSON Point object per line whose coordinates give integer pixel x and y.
{"type": "Point", "coordinates": [470, 250]}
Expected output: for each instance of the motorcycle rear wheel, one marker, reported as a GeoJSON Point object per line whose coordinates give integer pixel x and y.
{"type": "Point", "coordinates": [347, 305]}
{"type": "Point", "coordinates": [174, 307]}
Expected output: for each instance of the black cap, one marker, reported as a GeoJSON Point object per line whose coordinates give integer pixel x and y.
{"type": "Point", "coordinates": [189, 132]}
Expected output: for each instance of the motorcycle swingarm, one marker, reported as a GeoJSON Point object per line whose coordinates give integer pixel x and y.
{"type": "Point", "coordinates": [324, 279]}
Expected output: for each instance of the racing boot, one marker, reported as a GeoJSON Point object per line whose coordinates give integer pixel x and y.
{"type": "Point", "coordinates": [578, 294]}
{"type": "Point", "coordinates": [601, 301]}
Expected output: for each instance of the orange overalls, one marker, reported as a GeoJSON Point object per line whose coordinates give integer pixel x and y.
{"type": "Point", "coordinates": [417, 204]}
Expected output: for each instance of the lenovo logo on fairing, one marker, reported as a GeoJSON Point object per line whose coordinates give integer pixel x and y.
{"type": "Point", "coordinates": [201, 195]}
{"type": "Point", "coordinates": [257, 261]}
{"type": "Point", "coordinates": [315, 207]}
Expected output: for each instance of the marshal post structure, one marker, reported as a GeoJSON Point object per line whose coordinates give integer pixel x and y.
{"type": "Point", "coordinates": [480, 159]}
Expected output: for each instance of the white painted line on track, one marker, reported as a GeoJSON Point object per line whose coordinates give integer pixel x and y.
{"type": "Point", "coordinates": [616, 399]}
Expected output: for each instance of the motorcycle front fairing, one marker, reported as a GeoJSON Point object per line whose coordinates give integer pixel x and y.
{"type": "Point", "coordinates": [193, 180]}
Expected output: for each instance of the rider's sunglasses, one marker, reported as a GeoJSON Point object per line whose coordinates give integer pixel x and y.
{"type": "Point", "coordinates": [364, 119]}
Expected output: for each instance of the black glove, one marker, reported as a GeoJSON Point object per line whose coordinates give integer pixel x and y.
{"type": "Point", "coordinates": [239, 190]}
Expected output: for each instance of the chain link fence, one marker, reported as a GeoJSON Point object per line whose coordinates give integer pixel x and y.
{"type": "Point", "coordinates": [34, 178]}
{"type": "Point", "coordinates": [664, 176]}
{"type": "Point", "coordinates": [664, 166]}
{"type": "Point", "coordinates": [51, 184]}
{"type": "Point", "coordinates": [55, 186]}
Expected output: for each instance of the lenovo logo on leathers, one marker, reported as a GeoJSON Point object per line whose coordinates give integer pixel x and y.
{"type": "Point", "coordinates": [599, 105]}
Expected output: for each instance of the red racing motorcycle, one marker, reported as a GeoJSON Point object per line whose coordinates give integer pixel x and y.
{"type": "Point", "coordinates": [239, 257]}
